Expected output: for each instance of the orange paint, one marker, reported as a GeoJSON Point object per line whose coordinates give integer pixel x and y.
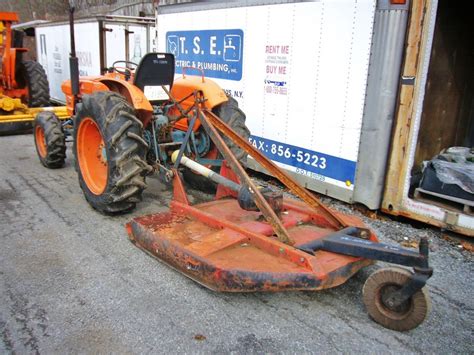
{"type": "Point", "coordinates": [40, 141]}
{"type": "Point", "coordinates": [8, 57]}
{"type": "Point", "coordinates": [228, 249]}
{"type": "Point", "coordinates": [92, 156]}
{"type": "Point", "coordinates": [8, 16]}
{"type": "Point", "coordinates": [185, 86]}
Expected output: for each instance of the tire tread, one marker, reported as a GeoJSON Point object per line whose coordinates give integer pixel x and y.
{"type": "Point", "coordinates": [121, 131]}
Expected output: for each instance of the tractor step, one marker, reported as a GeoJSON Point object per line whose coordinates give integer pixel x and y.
{"type": "Point", "coordinates": [228, 249]}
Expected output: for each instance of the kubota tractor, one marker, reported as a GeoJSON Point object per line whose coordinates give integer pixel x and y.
{"type": "Point", "coordinates": [126, 123]}
{"type": "Point", "coordinates": [23, 83]}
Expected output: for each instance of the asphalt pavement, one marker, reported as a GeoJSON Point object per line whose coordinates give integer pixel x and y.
{"type": "Point", "coordinates": [71, 282]}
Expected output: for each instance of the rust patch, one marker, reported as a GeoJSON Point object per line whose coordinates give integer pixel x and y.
{"type": "Point", "coordinates": [200, 337]}
{"type": "Point", "coordinates": [228, 249]}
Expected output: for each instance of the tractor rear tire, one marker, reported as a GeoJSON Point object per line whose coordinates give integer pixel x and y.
{"type": "Point", "coordinates": [37, 81]}
{"type": "Point", "coordinates": [230, 113]}
{"type": "Point", "coordinates": [50, 141]}
{"type": "Point", "coordinates": [110, 153]}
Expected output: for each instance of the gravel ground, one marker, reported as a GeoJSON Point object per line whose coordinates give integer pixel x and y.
{"type": "Point", "coordinates": [70, 281]}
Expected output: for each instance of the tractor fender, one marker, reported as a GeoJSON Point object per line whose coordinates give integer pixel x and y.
{"type": "Point", "coordinates": [134, 95]}
{"type": "Point", "coordinates": [87, 85]}
{"type": "Point", "coordinates": [185, 86]}
{"type": "Point", "coordinates": [131, 93]}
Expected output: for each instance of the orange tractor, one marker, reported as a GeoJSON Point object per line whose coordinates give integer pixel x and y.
{"type": "Point", "coordinates": [136, 119]}
{"type": "Point", "coordinates": [23, 83]}
{"type": "Point", "coordinates": [125, 125]}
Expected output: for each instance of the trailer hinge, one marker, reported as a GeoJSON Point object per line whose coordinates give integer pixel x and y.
{"type": "Point", "coordinates": [408, 80]}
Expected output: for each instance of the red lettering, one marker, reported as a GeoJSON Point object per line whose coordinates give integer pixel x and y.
{"type": "Point", "coordinates": [271, 69]}
{"type": "Point", "coordinates": [272, 49]}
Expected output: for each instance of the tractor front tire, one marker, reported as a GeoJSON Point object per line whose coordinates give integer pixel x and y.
{"type": "Point", "coordinates": [110, 152]}
{"type": "Point", "coordinates": [230, 113]}
{"type": "Point", "coordinates": [37, 81]}
{"type": "Point", "coordinates": [50, 141]}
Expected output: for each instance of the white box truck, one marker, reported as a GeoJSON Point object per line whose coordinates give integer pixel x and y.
{"type": "Point", "coordinates": [100, 41]}
{"type": "Point", "coordinates": [333, 90]}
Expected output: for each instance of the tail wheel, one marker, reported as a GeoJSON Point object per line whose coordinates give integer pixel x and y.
{"type": "Point", "coordinates": [50, 141]}
{"type": "Point", "coordinates": [110, 153]}
{"type": "Point", "coordinates": [406, 316]}
{"type": "Point", "coordinates": [36, 80]}
{"type": "Point", "coordinates": [230, 113]}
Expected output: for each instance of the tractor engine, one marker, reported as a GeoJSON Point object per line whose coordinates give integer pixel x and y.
{"type": "Point", "coordinates": [162, 130]}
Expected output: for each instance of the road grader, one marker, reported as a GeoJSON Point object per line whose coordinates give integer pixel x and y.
{"type": "Point", "coordinates": [137, 119]}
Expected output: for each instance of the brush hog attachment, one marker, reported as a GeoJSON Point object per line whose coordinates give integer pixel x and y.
{"type": "Point", "coordinates": [228, 249]}
{"type": "Point", "coordinates": [252, 239]}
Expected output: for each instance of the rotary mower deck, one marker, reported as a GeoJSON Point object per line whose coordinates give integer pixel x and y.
{"type": "Point", "coordinates": [252, 239]}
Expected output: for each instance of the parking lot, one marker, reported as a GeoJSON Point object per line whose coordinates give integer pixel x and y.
{"type": "Point", "coordinates": [70, 281]}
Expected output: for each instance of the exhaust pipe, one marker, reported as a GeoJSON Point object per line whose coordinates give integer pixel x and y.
{"type": "Point", "coordinates": [73, 61]}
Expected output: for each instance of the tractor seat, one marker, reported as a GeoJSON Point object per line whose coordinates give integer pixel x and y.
{"type": "Point", "coordinates": [154, 71]}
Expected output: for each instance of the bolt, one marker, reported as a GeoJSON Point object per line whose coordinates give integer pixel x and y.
{"type": "Point", "coordinates": [302, 260]}
{"type": "Point", "coordinates": [281, 250]}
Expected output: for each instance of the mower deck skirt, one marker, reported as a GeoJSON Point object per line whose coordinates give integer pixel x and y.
{"type": "Point", "coordinates": [228, 249]}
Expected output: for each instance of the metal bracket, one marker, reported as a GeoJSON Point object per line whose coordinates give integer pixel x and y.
{"type": "Point", "coordinates": [416, 283]}
{"type": "Point", "coordinates": [274, 170]}
{"type": "Point", "coordinates": [408, 80]}
{"type": "Point", "coordinates": [346, 242]}
{"type": "Point", "coordinates": [186, 139]}
{"type": "Point", "coordinates": [262, 204]}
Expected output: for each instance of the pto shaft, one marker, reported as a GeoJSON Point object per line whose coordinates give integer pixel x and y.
{"type": "Point", "coordinates": [206, 172]}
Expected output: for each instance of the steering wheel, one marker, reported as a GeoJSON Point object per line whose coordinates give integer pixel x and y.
{"type": "Point", "coordinates": [124, 70]}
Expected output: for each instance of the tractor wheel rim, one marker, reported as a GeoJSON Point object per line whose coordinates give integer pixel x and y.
{"type": "Point", "coordinates": [92, 156]}
{"type": "Point", "coordinates": [40, 141]}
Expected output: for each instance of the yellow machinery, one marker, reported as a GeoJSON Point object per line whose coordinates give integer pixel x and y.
{"type": "Point", "coordinates": [24, 88]}
{"type": "Point", "coordinates": [18, 117]}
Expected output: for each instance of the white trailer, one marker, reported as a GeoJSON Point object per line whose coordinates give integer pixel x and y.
{"type": "Point", "coordinates": [333, 90]}
{"type": "Point", "coordinates": [100, 41]}
{"type": "Point", "coordinates": [300, 71]}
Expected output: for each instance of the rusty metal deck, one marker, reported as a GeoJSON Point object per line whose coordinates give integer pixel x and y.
{"type": "Point", "coordinates": [228, 249]}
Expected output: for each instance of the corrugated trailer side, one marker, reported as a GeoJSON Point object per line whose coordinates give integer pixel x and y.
{"type": "Point", "coordinates": [386, 58]}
